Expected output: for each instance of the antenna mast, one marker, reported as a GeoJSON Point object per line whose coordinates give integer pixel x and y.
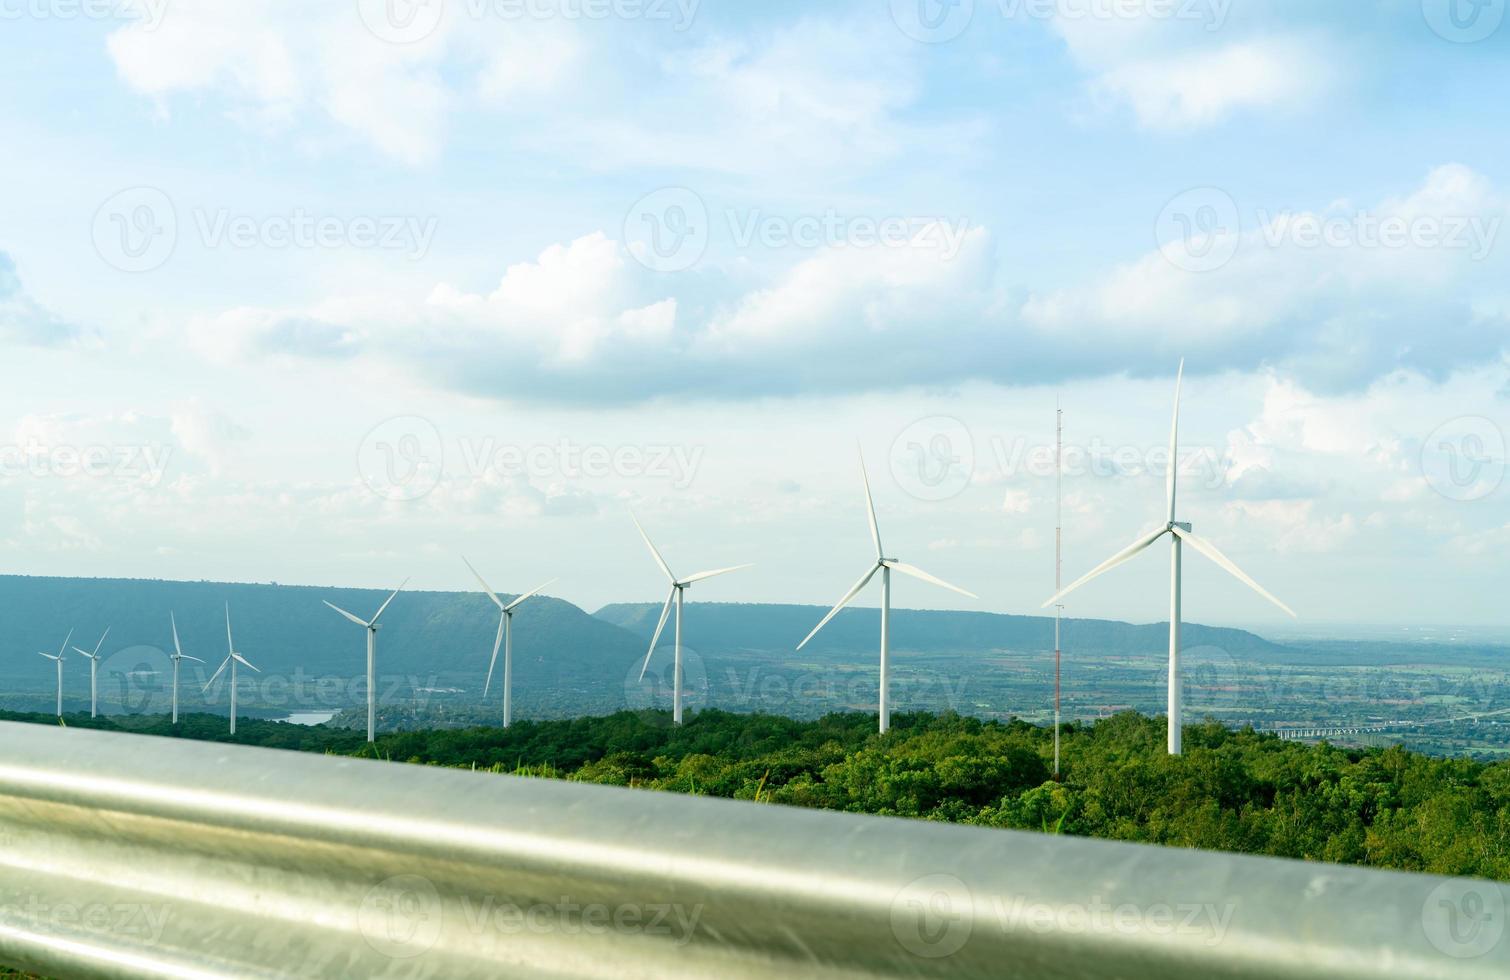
{"type": "Point", "coordinates": [1058, 561]}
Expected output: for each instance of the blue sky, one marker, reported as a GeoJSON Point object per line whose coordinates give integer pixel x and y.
{"type": "Point", "coordinates": [679, 257]}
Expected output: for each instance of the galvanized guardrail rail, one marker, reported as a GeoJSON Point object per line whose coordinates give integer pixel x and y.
{"type": "Point", "coordinates": [128, 856]}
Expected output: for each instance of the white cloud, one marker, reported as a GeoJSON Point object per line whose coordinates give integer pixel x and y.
{"type": "Point", "coordinates": [22, 319]}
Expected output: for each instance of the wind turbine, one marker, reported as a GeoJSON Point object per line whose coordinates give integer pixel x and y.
{"type": "Point", "coordinates": [179, 656]}
{"type": "Point", "coordinates": [232, 658]}
{"type": "Point", "coordinates": [371, 626]}
{"type": "Point", "coordinates": [94, 671]}
{"type": "Point", "coordinates": [1179, 533]}
{"type": "Point", "coordinates": [506, 637]}
{"type": "Point", "coordinates": [885, 566]}
{"type": "Point", "coordinates": [59, 659]}
{"type": "Point", "coordinates": [678, 591]}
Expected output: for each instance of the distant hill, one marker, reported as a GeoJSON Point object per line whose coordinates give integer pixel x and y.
{"type": "Point", "coordinates": [436, 638]}
{"type": "Point", "coordinates": [721, 626]}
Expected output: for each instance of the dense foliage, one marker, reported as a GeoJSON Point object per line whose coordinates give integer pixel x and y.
{"type": "Point", "coordinates": [1232, 790]}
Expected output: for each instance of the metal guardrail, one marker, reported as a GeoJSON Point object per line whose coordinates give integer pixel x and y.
{"type": "Point", "coordinates": [130, 856]}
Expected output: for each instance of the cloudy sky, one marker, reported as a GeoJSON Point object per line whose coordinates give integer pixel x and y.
{"type": "Point", "coordinates": [331, 293]}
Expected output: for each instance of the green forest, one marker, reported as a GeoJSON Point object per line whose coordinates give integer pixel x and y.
{"type": "Point", "coordinates": [1231, 790]}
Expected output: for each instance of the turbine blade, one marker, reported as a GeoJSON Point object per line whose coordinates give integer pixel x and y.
{"type": "Point", "coordinates": [185, 656]}
{"type": "Point", "coordinates": [243, 661]}
{"type": "Point", "coordinates": [534, 591]}
{"type": "Point", "coordinates": [64, 648]}
{"type": "Point", "coordinates": [47, 655]}
{"type": "Point", "coordinates": [843, 602]}
{"type": "Point", "coordinates": [916, 572]}
{"type": "Point", "coordinates": [218, 671]}
{"type": "Point", "coordinates": [176, 648]}
{"type": "Point", "coordinates": [102, 641]}
{"type": "Point", "coordinates": [497, 642]}
{"type": "Point", "coordinates": [719, 571]}
{"type": "Point", "coordinates": [665, 611]}
{"type": "Point", "coordinates": [354, 619]}
{"type": "Point", "coordinates": [388, 600]}
{"type": "Point", "coordinates": [230, 646]}
{"type": "Point", "coordinates": [1210, 551]}
{"type": "Point", "coordinates": [496, 601]}
{"type": "Point", "coordinates": [658, 559]}
{"type": "Point", "coordinates": [1174, 441]}
{"type": "Point", "coordinates": [1110, 563]}
{"type": "Point", "coordinates": [870, 506]}
{"type": "Point", "coordinates": [84, 652]}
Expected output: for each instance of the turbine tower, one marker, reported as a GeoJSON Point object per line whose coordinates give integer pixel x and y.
{"type": "Point", "coordinates": [94, 672]}
{"type": "Point", "coordinates": [1180, 534]}
{"type": "Point", "coordinates": [371, 626]}
{"type": "Point", "coordinates": [177, 657]}
{"type": "Point", "coordinates": [677, 594]}
{"type": "Point", "coordinates": [58, 658]}
{"type": "Point", "coordinates": [506, 637]}
{"type": "Point", "coordinates": [232, 658]}
{"type": "Point", "coordinates": [885, 566]}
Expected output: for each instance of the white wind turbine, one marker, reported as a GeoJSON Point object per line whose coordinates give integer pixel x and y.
{"type": "Point", "coordinates": [371, 626]}
{"type": "Point", "coordinates": [506, 637]}
{"type": "Point", "coordinates": [1179, 534]}
{"type": "Point", "coordinates": [178, 656]}
{"type": "Point", "coordinates": [678, 591]}
{"type": "Point", "coordinates": [94, 672]}
{"type": "Point", "coordinates": [885, 566]}
{"type": "Point", "coordinates": [59, 659]}
{"type": "Point", "coordinates": [232, 658]}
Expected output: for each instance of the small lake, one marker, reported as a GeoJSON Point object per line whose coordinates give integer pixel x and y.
{"type": "Point", "coordinates": [309, 717]}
